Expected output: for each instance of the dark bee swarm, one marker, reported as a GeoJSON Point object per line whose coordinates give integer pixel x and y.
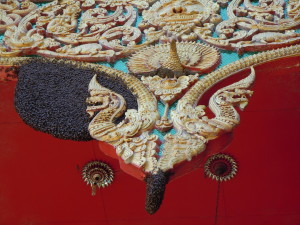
{"type": "Point", "coordinates": [156, 185]}
{"type": "Point", "coordinates": [50, 97]}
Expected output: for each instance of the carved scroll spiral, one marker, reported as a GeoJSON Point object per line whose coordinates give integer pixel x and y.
{"type": "Point", "coordinates": [248, 27]}
{"type": "Point", "coordinates": [86, 31]}
{"type": "Point", "coordinates": [79, 30]}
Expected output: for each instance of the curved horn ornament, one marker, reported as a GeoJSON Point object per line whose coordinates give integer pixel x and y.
{"type": "Point", "coordinates": [132, 139]}
{"type": "Point", "coordinates": [194, 129]}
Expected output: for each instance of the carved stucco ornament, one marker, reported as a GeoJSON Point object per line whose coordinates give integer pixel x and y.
{"type": "Point", "coordinates": [195, 129]}
{"type": "Point", "coordinates": [103, 36]}
{"type": "Point", "coordinates": [12, 11]}
{"type": "Point", "coordinates": [97, 174]}
{"type": "Point", "coordinates": [136, 146]}
{"type": "Point", "coordinates": [80, 30]}
{"type": "Point", "coordinates": [178, 18]}
{"type": "Point", "coordinates": [87, 30]}
{"type": "Point", "coordinates": [255, 27]}
{"type": "Point", "coordinates": [248, 27]}
{"type": "Point", "coordinates": [172, 65]}
{"type": "Point", "coordinates": [133, 142]}
{"type": "Point", "coordinates": [193, 57]}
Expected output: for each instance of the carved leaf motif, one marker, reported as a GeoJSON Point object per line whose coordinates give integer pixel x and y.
{"type": "Point", "coordinates": [58, 20]}
{"type": "Point", "coordinates": [248, 28]}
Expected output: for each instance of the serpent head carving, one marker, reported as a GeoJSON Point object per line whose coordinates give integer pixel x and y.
{"type": "Point", "coordinates": [132, 131]}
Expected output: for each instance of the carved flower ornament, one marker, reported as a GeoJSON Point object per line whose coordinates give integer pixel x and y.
{"type": "Point", "coordinates": [85, 101]}
{"type": "Point", "coordinates": [107, 30]}
{"type": "Point", "coordinates": [123, 112]}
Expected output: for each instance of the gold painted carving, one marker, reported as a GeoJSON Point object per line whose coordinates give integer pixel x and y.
{"type": "Point", "coordinates": [110, 104]}
{"type": "Point", "coordinates": [193, 128]}
{"type": "Point", "coordinates": [171, 62]}
{"type": "Point", "coordinates": [178, 18]}
{"type": "Point", "coordinates": [12, 11]}
{"type": "Point", "coordinates": [255, 27]}
{"type": "Point", "coordinates": [130, 137]}
{"type": "Point", "coordinates": [105, 30]}
{"type": "Point", "coordinates": [193, 57]}
{"type": "Point", "coordinates": [79, 30]}
{"type": "Point", "coordinates": [248, 28]}
{"type": "Point", "coordinates": [168, 90]}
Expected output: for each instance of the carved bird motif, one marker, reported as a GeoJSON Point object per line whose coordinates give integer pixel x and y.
{"type": "Point", "coordinates": [193, 131]}
{"type": "Point", "coordinates": [138, 149]}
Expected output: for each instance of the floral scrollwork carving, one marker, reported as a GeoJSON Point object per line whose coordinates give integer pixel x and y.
{"type": "Point", "coordinates": [107, 30]}
{"type": "Point", "coordinates": [178, 18]}
{"type": "Point", "coordinates": [89, 30]}
{"type": "Point", "coordinates": [12, 11]}
{"type": "Point", "coordinates": [255, 27]}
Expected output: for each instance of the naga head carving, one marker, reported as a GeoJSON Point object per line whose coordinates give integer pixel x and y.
{"type": "Point", "coordinates": [132, 131]}
{"type": "Point", "coordinates": [151, 118]}
{"type": "Point", "coordinates": [103, 99]}
{"type": "Point", "coordinates": [139, 148]}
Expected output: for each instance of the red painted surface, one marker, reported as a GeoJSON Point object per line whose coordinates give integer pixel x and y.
{"type": "Point", "coordinates": [40, 176]}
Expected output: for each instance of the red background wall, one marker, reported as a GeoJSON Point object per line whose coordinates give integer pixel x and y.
{"type": "Point", "coordinates": [40, 176]}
